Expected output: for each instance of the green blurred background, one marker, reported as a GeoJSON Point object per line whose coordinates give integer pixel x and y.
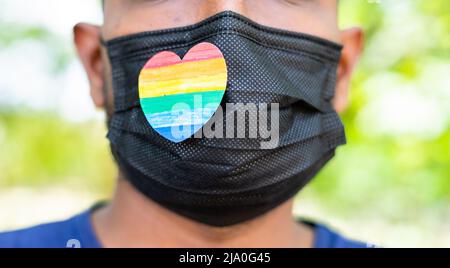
{"type": "Point", "coordinates": [390, 185]}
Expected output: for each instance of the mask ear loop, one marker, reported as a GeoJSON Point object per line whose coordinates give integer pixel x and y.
{"type": "Point", "coordinates": [104, 44]}
{"type": "Point", "coordinates": [102, 41]}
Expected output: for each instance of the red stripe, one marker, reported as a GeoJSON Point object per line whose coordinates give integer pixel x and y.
{"type": "Point", "coordinates": [200, 52]}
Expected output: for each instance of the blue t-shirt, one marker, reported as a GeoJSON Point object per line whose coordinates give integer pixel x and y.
{"type": "Point", "coordinates": [78, 232]}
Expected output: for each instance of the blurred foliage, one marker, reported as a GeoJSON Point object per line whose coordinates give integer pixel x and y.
{"type": "Point", "coordinates": [60, 52]}
{"type": "Point", "coordinates": [393, 170]}
{"type": "Point", "coordinates": [390, 172]}
{"type": "Point", "coordinates": [39, 148]}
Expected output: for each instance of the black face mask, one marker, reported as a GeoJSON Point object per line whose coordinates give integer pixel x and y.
{"type": "Point", "coordinates": [217, 181]}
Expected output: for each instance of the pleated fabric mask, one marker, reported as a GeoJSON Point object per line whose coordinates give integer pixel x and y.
{"type": "Point", "coordinates": [224, 180]}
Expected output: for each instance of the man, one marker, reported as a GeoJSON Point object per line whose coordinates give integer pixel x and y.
{"type": "Point", "coordinates": [233, 197]}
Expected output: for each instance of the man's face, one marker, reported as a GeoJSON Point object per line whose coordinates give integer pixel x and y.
{"type": "Point", "coordinates": [124, 17]}
{"type": "Point", "coordinates": [316, 17]}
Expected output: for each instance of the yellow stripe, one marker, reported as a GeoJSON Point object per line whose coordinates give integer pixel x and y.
{"type": "Point", "coordinates": [192, 85]}
{"type": "Point", "coordinates": [184, 70]}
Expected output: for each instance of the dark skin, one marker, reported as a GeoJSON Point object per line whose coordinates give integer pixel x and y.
{"type": "Point", "coordinates": [131, 219]}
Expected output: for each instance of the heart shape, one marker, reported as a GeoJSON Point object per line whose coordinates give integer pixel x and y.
{"type": "Point", "coordinates": [178, 97]}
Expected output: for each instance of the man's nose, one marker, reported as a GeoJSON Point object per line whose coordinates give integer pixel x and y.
{"type": "Point", "coordinates": [211, 7]}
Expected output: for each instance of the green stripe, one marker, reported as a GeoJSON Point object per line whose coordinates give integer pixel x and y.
{"type": "Point", "coordinates": [165, 103]}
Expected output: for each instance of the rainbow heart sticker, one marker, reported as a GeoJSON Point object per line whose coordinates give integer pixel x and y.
{"type": "Point", "coordinates": [179, 96]}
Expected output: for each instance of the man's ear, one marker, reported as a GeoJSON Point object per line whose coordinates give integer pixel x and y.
{"type": "Point", "coordinates": [353, 40]}
{"type": "Point", "coordinates": [87, 42]}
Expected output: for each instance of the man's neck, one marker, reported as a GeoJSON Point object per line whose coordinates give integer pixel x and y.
{"type": "Point", "coordinates": [133, 220]}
